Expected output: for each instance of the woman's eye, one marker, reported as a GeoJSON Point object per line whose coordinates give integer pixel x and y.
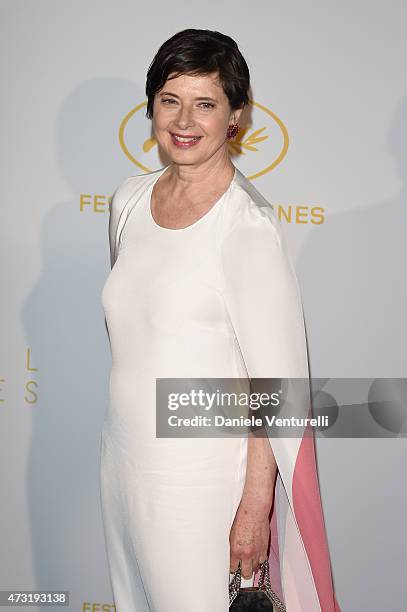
{"type": "Point", "coordinates": [205, 105]}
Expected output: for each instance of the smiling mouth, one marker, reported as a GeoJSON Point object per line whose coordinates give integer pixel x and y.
{"type": "Point", "coordinates": [187, 138]}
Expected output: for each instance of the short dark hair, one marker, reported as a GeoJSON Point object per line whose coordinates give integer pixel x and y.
{"type": "Point", "coordinates": [200, 52]}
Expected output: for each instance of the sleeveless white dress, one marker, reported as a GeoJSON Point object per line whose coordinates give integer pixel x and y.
{"type": "Point", "coordinates": [192, 302]}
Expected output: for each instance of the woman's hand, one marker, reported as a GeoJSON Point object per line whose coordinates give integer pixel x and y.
{"type": "Point", "coordinates": [250, 531]}
{"type": "Point", "coordinates": [249, 537]}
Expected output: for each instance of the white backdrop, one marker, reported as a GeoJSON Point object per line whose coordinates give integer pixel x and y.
{"type": "Point", "coordinates": [329, 94]}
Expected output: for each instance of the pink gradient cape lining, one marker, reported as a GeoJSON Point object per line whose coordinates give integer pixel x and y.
{"type": "Point", "coordinates": [299, 561]}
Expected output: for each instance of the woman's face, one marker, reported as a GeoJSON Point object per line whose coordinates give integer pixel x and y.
{"type": "Point", "coordinates": [194, 108]}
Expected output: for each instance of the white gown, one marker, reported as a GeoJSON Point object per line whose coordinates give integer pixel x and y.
{"type": "Point", "coordinates": [192, 302]}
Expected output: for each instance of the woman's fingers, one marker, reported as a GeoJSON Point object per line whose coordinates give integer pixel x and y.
{"type": "Point", "coordinates": [246, 564]}
{"type": "Point", "coordinates": [247, 569]}
{"type": "Point", "coordinates": [234, 563]}
{"type": "Point", "coordinates": [249, 563]}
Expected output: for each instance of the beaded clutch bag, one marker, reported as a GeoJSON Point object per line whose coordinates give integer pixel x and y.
{"type": "Point", "coordinates": [260, 598]}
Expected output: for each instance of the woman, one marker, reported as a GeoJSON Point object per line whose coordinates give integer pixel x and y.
{"type": "Point", "coordinates": [201, 286]}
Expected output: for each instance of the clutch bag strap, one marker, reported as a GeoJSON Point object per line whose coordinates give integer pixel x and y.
{"type": "Point", "coordinates": [263, 585]}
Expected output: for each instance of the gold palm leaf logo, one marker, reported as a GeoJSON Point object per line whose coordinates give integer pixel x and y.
{"type": "Point", "coordinates": [240, 143]}
{"type": "Point", "coordinates": [246, 141]}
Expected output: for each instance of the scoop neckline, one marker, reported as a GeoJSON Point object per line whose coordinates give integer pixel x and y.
{"type": "Point", "coordinates": [192, 225]}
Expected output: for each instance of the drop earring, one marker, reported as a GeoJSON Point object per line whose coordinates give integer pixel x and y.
{"type": "Point", "coordinates": [232, 130]}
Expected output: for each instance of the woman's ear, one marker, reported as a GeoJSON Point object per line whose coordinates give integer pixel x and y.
{"type": "Point", "coordinates": [234, 115]}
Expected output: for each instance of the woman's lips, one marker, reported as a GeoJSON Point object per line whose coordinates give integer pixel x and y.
{"type": "Point", "coordinates": [189, 141]}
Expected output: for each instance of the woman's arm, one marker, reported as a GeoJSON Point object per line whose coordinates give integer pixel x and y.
{"type": "Point", "coordinates": [261, 474]}
{"type": "Point", "coordinates": [263, 301]}
{"type": "Point", "coordinates": [250, 531]}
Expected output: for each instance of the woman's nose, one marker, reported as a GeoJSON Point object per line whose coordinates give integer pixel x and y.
{"type": "Point", "coordinates": [184, 118]}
